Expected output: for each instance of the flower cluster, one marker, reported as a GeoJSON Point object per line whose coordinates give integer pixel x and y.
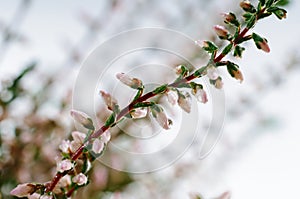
{"type": "Point", "coordinates": [78, 154]}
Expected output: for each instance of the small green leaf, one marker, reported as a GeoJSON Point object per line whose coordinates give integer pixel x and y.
{"type": "Point", "coordinates": [238, 50]}
{"type": "Point", "coordinates": [269, 3]}
{"type": "Point", "coordinates": [139, 93]}
{"type": "Point", "coordinates": [247, 16]}
{"type": "Point", "coordinates": [227, 49]}
{"type": "Point", "coordinates": [209, 46]}
{"type": "Point", "coordinates": [251, 21]}
{"type": "Point", "coordinates": [199, 72]}
{"type": "Point", "coordinates": [282, 2]}
{"type": "Point", "coordinates": [262, 2]}
{"type": "Point", "coordinates": [143, 104]}
{"type": "Point", "coordinates": [161, 89]}
{"type": "Point", "coordinates": [110, 120]}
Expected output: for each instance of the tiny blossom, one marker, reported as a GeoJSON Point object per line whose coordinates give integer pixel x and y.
{"type": "Point", "coordinates": [246, 5]}
{"type": "Point", "coordinates": [109, 100]}
{"type": "Point", "coordinates": [64, 165]}
{"type": "Point", "coordinates": [263, 45]}
{"type": "Point", "coordinates": [221, 31]}
{"type": "Point", "coordinates": [129, 81]}
{"type": "Point", "coordinates": [229, 17]}
{"type": "Point", "coordinates": [105, 137]}
{"type": "Point", "coordinates": [78, 137]}
{"type": "Point", "coordinates": [200, 94]}
{"type": "Point", "coordinates": [65, 181]}
{"type": "Point", "coordinates": [219, 83]}
{"type": "Point", "coordinates": [162, 120]}
{"type": "Point", "coordinates": [98, 146]}
{"type": "Point", "coordinates": [22, 190]}
{"type": "Point", "coordinates": [172, 97]}
{"type": "Point", "coordinates": [185, 101]}
{"type": "Point", "coordinates": [65, 146]}
{"type": "Point", "coordinates": [82, 118]}
{"type": "Point", "coordinates": [178, 70]}
{"type": "Point", "coordinates": [212, 73]}
{"type": "Point", "coordinates": [80, 179]}
{"type": "Point", "coordinates": [139, 113]}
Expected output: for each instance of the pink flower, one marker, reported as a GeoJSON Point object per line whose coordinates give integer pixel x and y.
{"type": "Point", "coordinates": [139, 113]}
{"type": "Point", "coordinates": [22, 190]}
{"type": "Point", "coordinates": [65, 181]}
{"type": "Point", "coordinates": [98, 146]}
{"type": "Point", "coordinates": [80, 179]}
{"type": "Point", "coordinates": [64, 165]}
{"type": "Point", "coordinates": [109, 100]}
{"type": "Point", "coordinates": [212, 72]}
{"type": "Point", "coordinates": [200, 94]}
{"type": "Point", "coordinates": [83, 119]}
{"type": "Point", "coordinates": [185, 101]}
{"type": "Point", "coordinates": [237, 74]}
{"type": "Point", "coordinates": [221, 31]}
{"type": "Point", "coordinates": [172, 97]}
{"type": "Point", "coordinates": [161, 117]}
{"type": "Point", "coordinates": [78, 137]}
{"type": "Point", "coordinates": [105, 137]}
{"type": "Point", "coordinates": [219, 83]}
{"type": "Point", "coordinates": [129, 81]}
{"type": "Point", "coordinates": [65, 146]}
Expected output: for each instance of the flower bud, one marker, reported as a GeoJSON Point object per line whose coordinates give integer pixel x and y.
{"type": "Point", "coordinates": [161, 117]}
{"type": "Point", "coordinates": [221, 31]}
{"type": "Point", "coordinates": [219, 83]}
{"type": "Point", "coordinates": [172, 97]}
{"type": "Point", "coordinates": [105, 137]}
{"type": "Point", "coordinates": [234, 71]}
{"type": "Point", "coordinates": [22, 190]}
{"type": "Point", "coordinates": [200, 94]}
{"type": "Point", "coordinates": [98, 146]}
{"type": "Point", "coordinates": [80, 179]}
{"type": "Point", "coordinates": [110, 102]}
{"type": "Point", "coordinates": [263, 45]}
{"type": "Point", "coordinates": [230, 18]}
{"type": "Point", "coordinates": [64, 165]}
{"type": "Point", "coordinates": [129, 81]}
{"type": "Point", "coordinates": [83, 119]}
{"type": "Point", "coordinates": [247, 6]}
{"type": "Point", "coordinates": [139, 113]}
{"type": "Point", "coordinates": [212, 73]}
{"type": "Point", "coordinates": [185, 101]}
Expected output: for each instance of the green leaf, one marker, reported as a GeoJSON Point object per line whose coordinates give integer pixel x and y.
{"type": "Point", "coordinates": [251, 22]}
{"type": "Point", "coordinates": [143, 104]}
{"type": "Point", "coordinates": [199, 72]}
{"type": "Point", "coordinates": [282, 2]}
{"type": "Point", "coordinates": [110, 120]}
{"type": "Point", "coordinates": [227, 49]}
{"type": "Point", "coordinates": [262, 2]}
{"type": "Point", "coordinates": [161, 89]}
{"type": "Point", "coordinates": [269, 3]}
{"type": "Point", "coordinates": [209, 46]}
{"type": "Point", "coordinates": [238, 50]}
{"type": "Point", "coordinates": [139, 93]}
{"type": "Point", "coordinates": [280, 13]}
{"type": "Point", "coordinates": [247, 16]}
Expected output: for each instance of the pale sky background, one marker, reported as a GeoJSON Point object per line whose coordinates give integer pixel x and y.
{"type": "Point", "coordinates": [269, 167]}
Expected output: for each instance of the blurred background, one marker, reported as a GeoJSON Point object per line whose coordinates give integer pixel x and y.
{"type": "Point", "coordinates": [43, 44]}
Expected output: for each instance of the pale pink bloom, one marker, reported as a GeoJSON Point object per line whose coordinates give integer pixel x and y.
{"type": "Point", "coordinates": [98, 146]}
{"type": "Point", "coordinates": [162, 119]}
{"type": "Point", "coordinates": [80, 179]}
{"type": "Point", "coordinates": [264, 45]}
{"type": "Point", "coordinates": [22, 190]}
{"type": "Point", "coordinates": [185, 101]}
{"type": "Point", "coordinates": [82, 118]}
{"type": "Point", "coordinates": [78, 137]}
{"type": "Point", "coordinates": [172, 97]}
{"type": "Point", "coordinates": [65, 146]}
{"type": "Point", "coordinates": [212, 73]}
{"type": "Point", "coordinates": [105, 137]}
{"type": "Point", "coordinates": [109, 100]}
{"type": "Point", "coordinates": [65, 181]}
{"type": "Point", "coordinates": [34, 196]}
{"type": "Point", "coordinates": [129, 81]}
{"type": "Point", "coordinates": [221, 31]}
{"type": "Point", "coordinates": [200, 94]}
{"type": "Point", "coordinates": [237, 74]}
{"type": "Point", "coordinates": [225, 195]}
{"type": "Point", "coordinates": [139, 113]}
{"type": "Point", "coordinates": [64, 165]}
